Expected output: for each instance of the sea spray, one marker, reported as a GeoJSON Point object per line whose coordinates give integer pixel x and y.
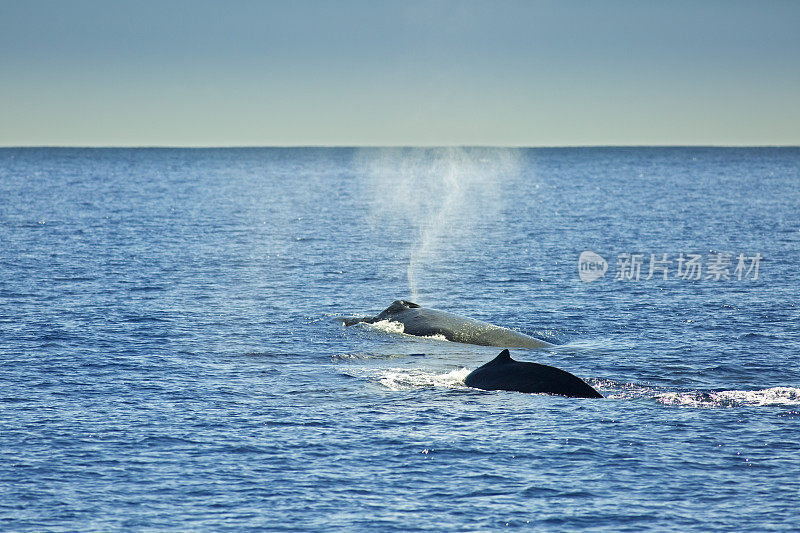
{"type": "Point", "coordinates": [439, 195]}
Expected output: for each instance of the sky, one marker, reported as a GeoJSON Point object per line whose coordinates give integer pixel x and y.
{"type": "Point", "coordinates": [380, 73]}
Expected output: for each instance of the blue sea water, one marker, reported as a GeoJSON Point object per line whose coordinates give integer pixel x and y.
{"type": "Point", "coordinates": [172, 354]}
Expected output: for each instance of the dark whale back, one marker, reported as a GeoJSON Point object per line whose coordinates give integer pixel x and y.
{"type": "Point", "coordinates": [397, 307]}
{"type": "Point", "coordinates": [504, 373]}
{"type": "Point", "coordinates": [425, 322]}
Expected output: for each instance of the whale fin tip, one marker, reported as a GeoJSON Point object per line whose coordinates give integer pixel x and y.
{"type": "Point", "coordinates": [503, 357]}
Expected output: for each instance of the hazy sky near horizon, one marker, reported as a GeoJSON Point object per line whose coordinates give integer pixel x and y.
{"type": "Point", "coordinates": [509, 73]}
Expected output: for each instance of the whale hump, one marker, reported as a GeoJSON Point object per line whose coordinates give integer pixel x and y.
{"type": "Point", "coordinates": [401, 305]}
{"type": "Point", "coordinates": [504, 373]}
{"type": "Point", "coordinates": [423, 322]}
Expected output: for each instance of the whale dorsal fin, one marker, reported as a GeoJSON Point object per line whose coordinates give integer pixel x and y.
{"type": "Point", "coordinates": [503, 358]}
{"type": "Point", "coordinates": [398, 306]}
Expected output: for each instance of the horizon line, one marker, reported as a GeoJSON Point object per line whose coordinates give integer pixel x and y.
{"type": "Point", "coordinates": [381, 146]}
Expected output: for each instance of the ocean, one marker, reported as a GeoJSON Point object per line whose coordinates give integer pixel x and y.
{"type": "Point", "coordinates": [172, 353]}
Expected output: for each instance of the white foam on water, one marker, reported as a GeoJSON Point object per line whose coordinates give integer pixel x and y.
{"type": "Point", "coordinates": [390, 326]}
{"type": "Point", "coordinates": [437, 337]}
{"type": "Point", "coordinates": [413, 378]}
{"type": "Point", "coordinates": [403, 379]}
{"type": "Point", "coordinates": [622, 391]}
{"type": "Point", "coordinates": [387, 326]}
{"type": "Point", "coordinates": [732, 398]}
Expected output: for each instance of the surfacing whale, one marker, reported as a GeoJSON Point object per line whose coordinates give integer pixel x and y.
{"type": "Point", "coordinates": [504, 373]}
{"type": "Point", "coordinates": [425, 322]}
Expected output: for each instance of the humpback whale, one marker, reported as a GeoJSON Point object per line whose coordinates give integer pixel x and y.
{"type": "Point", "coordinates": [504, 373]}
{"type": "Point", "coordinates": [425, 322]}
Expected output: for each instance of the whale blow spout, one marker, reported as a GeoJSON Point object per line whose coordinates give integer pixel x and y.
{"type": "Point", "coordinates": [504, 373]}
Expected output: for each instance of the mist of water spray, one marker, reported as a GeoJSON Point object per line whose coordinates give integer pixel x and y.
{"type": "Point", "coordinates": [441, 195]}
